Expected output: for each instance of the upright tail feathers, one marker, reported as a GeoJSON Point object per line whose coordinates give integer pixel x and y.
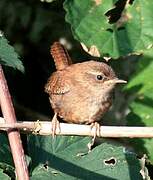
{"type": "Point", "coordinates": [60, 56]}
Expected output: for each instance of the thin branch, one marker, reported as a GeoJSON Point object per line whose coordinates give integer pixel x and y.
{"type": "Point", "coordinates": [14, 136]}
{"type": "Point", "coordinates": [45, 128]}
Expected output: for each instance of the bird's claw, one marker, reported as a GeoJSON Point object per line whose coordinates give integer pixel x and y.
{"type": "Point", "coordinates": [55, 125]}
{"type": "Point", "coordinates": [96, 133]}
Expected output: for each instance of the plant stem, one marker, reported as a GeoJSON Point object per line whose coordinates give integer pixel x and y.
{"type": "Point", "coordinates": [13, 135]}
{"type": "Point", "coordinates": [45, 128]}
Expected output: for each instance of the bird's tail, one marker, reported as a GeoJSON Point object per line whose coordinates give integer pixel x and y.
{"type": "Point", "coordinates": [60, 56]}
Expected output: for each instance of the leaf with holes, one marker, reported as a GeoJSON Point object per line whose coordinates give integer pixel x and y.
{"type": "Point", "coordinates": [115, 28]}
{"type": "Point", "coordinates": [8, 56]}
{"type": "Point", "coordinates": [68, 158]}
{"type": "Point", "coordinates": [141, 87]}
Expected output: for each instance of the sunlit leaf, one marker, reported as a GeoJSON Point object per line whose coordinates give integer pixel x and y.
{"type": "Point", "coordinates": [132, 32]}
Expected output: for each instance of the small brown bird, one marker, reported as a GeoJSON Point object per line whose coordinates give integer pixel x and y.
{"type": "Point", "coordinates": [79, 93]}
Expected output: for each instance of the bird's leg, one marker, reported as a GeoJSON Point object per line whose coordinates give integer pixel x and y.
{"type": "Point", "coordinates": [96, 133]}
{"type": "Point", "coordinates": [55, 125]}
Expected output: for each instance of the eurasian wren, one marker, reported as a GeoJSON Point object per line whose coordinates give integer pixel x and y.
{"type": "Point", "coordinates": [82, 92]}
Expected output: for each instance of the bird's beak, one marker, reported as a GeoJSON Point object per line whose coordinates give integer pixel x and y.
{"type": "Point", "coordinates": [115, 81]}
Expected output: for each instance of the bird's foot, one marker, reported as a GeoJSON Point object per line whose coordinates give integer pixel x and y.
{"type": "Point", "coordinates": [96, 126]}
{"type": "Point", "coordinates": [55, 125]}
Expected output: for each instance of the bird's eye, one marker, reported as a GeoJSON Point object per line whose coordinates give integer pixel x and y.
{"type": "Point", "coordinates": [99, 77]}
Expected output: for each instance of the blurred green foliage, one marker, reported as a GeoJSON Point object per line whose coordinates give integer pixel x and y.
{"type": "Point", "coordinates": [141, 106]}
{"type": "Point", "coordinates": [118, 29]}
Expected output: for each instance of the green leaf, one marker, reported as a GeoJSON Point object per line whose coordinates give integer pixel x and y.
{"type": "Point", "coordinates": [5, 152]}
{"type": "Point", "coordinates": [8, 169]}
{"type": "Point", "coordinates": [141, 111]}
{"type": "Point", "coordinates": [68, 158]}
{"type": "Point", "coordinates": [8, 56]}
{"type": "Point", "coordinates": [6, 161]}
{"type": "Point", "coordinates": [3, 176]}
{"type": "Point", "coordinates": [131, 33]}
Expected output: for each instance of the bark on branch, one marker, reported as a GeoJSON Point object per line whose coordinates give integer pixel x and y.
{"type": "Point", "coordinates": [45, 128]}
{"type": "Point", "coordinates": [13, 136]}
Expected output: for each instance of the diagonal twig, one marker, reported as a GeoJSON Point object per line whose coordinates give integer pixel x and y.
{"type": "Point", "coordinates": [13, 135]}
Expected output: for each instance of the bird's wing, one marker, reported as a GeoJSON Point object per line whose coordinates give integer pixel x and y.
{"type": "Point", "coordinates": [57, 84]}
